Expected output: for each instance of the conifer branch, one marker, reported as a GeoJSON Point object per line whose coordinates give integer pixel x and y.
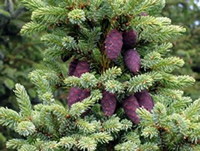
{"type": "Point", "coordinates": [23, 101]}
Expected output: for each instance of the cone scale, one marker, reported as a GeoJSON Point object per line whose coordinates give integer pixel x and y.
{"type": "Point", "coordinates": [145, 100]}
{"type": "Point", "coordinates": [113, 44]}
{"type": "Point", "coordinates": [108, 103]}
{"type": "Point", "coordinates": [132, 60]}
{"type": "Point", "coordinates": [130, 105]}
{"type": "Point", "coordinates": [129, 39]}
{"type": "Point", "coordinates": [77, 68]}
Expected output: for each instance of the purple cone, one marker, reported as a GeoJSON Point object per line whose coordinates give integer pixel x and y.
{"type": "Point", "coordinates": [145, 100]}
{"type": "Point", "coordinates": [132, 60]}
{"type": "Point", "coordinates": [77, 95]}
{"type": "Point", "coordinates": [129, 39]}
{"type": "Point", "coordinates": [144, 14]}
{"type": "Point", "coordinates": [113, 44]}
{"type": "Point", "coordinates": [130, 105]}
{"type": "Point", "coordinates": [77, 68]}
{"type": "Point", "coordinates": [81, 67]}
{"type": "Point", "coordinates": [72, 67]}
{"type": "Point", "coordinates": [108, 103]}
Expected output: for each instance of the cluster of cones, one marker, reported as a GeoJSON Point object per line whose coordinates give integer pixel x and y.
{"type": "Point", "coordinates": [133, 102]}
{"type": "Point", "coordinates": [130, 104]}
{"type": "Point", "coordinates": [77, 68]}
{"type": "Point", "coordinates": [115, 42]}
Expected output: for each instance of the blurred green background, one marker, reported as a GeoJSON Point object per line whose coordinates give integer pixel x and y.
{"type": "Point", "coordinates": [187, 14]}
{"type": "Point", "coordinates": [20, 55]}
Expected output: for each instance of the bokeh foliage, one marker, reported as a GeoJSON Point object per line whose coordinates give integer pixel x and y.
{"type": "Point", "coordinates": [187, 13]}
{"type": "Point", "coordinates": [18, 55]}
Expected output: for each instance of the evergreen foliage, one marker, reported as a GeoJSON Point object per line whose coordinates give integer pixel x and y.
{"type": "Point", "coordinates": [82, 30]}
{"type": "Point", "coordinates": [18, 56]}
{"type": "Point", "coordinates": [186, 12]}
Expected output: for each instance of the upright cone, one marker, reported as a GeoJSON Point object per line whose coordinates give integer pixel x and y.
{"type": "Point", "coordinates": [129, 39]}
{"type": "Point", "coordinates": [81, 68]}
{"type": "Point", "coordinates": [132, 60]}
{"type": "Point", "coordinates": [77, 95]}
{"type": "Point", "coordinates": [77, 68]}
{"type": "Point", "coordinates": [113, 44]}
{"type": "Point", "coordinates": [72, 67]}
{"type": "Point", "coordinates": [108, 103]}
{"type": "Point", "coordinates": [130, 105]}
{"type": "Point", "coordinates": [144, 14]}
{"type": "Point", "coordinates": [145, 100]}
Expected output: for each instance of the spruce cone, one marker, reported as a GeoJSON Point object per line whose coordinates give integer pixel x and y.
{"type": "Point", "coordinates": [144, 14]}
{"type": "Point", "coordinates": [77, 95]}
{"type": "Point", "coordinates": [132, 60]}
{"type": "Point", "coordinates": [81, 67]}
{"type": "Point", "coordinates": [113, 44]}
{"type": "Point", "coordinates": [72, 67]}
{"type": "Point", "coordinates": [108, 103]}
{"type": "Point", "coordinates": [85, 93]}
{"type": "Point", "coordinates": [145, 100]}
{"type": "Point", "coordinates": [129, 39]}
{"type": "Point", "coordinates": [73, 96]}
{"type": "Point", "coordinates": [77, 68]}
{"type": "Point", "coordinates": [130, 105]}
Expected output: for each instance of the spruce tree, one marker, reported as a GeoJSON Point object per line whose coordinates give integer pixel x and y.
{"type": "Point", "coordinates": [122, 93]}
